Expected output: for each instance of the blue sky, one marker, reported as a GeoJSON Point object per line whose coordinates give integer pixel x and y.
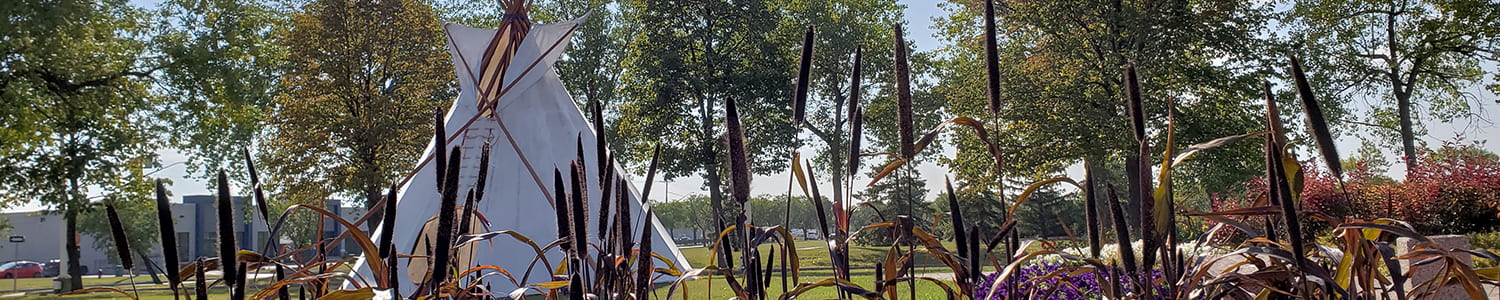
{"type": "Point", "coordinates": [919, 16]}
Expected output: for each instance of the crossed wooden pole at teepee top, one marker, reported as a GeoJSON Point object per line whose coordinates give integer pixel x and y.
{"type": "Point", "coordinates": [369, 212]}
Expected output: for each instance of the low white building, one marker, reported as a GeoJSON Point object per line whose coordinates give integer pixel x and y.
{"type": "Point", "coordinates": [196, 226]}
{"type": "Point", "coordinates": [43, 234]}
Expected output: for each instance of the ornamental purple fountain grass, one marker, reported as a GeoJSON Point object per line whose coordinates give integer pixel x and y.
{"type": "Point", "coordinates": [1082, 286]}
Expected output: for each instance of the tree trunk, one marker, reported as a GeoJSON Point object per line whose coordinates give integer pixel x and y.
{"type": "Point", "coordinates": [372, 197]}
{"type": "Point", "coordinates": [1401, 91]}
{"type": "Point", "coordinates": [710, 164]}
{"type": "Point", "coordinates": [74, 280]}
{"type": "Point", "coordinates": [716, 196]}
{"type": "Point", "coordinates": [1408, 137]}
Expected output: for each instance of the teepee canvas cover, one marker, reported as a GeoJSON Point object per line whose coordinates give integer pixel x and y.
{"type": "Point", "coordinates": [533, 127]}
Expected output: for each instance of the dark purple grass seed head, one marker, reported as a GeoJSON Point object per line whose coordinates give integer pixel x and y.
{"type": "Point", "coordinates": [468, 213]}
{"type": "Point", "coordinates": [388, 223]}
{"type": "Point", "coordinates": [201, 286]}
{"type": "Point", "coordinates": [957, 218]}
{"type": "Point", "coordinates": [601, 145]}
{"type": "Point", "coordinates": [484, 172]}
{"type": "Point", "coordinates": [1316, 122]}
{"type": "Point", "coordinates": [644, 265]}
{"type": "Point", "coordinates": [387, 243]}
{"type": "Point", "coordinates": [168, 233]}
{"type": "Point", "coordinates": [855, 90]}
{"type": "Point", "coordinates": [991, 57]}
{"type": "Point", "coordinates": [904, 121]}
{"type": "Point", "coordinates": [739, 167]}
{"type": "Point", "coordinates": [855, 136]}
{"type": "Point", "coordinates": [580, 165]}
{"type": "Point", "coordinates": [441, 254]}
{"type": "Point", "coordinates": [804, 70]}
{"type": "Point", "coordinates": [622, 219]}
{"type": "Point", "coordinates": [578, 213]}
{"type": "Point", "coordinates": [117, 232]}
{"type": "Point", "coordinates": [227, 246]}
{"type": "Point", "coordinates": [560, 208]}
{"type": "Point", "coordinates": [1133, 103]}
{"type": "Point", "coordinates": [440, 146]}
{"type": "Point", "coordinates": [651, 173]}
{"type": "Point", "coordinates": [606, 191]}
{"type": "Point", "coordinates": [260, 195]}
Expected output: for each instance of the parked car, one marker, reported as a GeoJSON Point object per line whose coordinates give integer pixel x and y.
{"type": "Point", "coordinates": [21, 269]}
{"type": "Point", "coordinates": [50, 269]}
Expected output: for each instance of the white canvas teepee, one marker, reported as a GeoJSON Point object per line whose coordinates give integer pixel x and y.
{"type": "Point", "coordinates": [533, 127]}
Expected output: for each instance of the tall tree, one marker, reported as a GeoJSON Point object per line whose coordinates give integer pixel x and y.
{"type": "Point", "coordinates": [1402, 54]}
{"type": "Point", "coordinates": [685, 61]}
{"type": "Point", "coordinates": [78, 112]}
{"type": "Point", "coordinates": [362, 80]}
{"type": "Point", "coordinates": [842, 27]}
{"type": "Point", "coordinates": [1061, 92]}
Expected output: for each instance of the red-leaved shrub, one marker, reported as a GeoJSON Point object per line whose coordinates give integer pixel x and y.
{"type": "Point", "coordinates": [1453, 189]}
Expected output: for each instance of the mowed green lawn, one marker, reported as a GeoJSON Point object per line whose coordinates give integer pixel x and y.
{"type": "Point", "coordinates": [812, 255]}
{"type": "Point", "coordinates": [814, 261]}
{"type": "Point", "coordinates": [8, 285]}
{"type": "Point", "coordinates": [216, 293]}
{"type": "Point", "coordinates": [147, 290]}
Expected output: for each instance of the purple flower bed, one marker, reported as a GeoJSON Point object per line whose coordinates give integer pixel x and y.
{"type": "Point", "coordinates": [1083, 286]}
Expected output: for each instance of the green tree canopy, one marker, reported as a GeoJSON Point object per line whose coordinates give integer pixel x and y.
{"type": "Point", "coordinates": [1402, 57]}
{"type": "Point", "coordinates": [842, 27]}
{"type": "Point", "coordinates": [224, 68]}
{"type": "Point", "coordinates": [1061, 64]}
{"type": "Point", "coordinates": [681, 67]}
{"type": "Point", "coordinates": [74, 96]}
{"type": "Point", "coordinates": [362, 82]}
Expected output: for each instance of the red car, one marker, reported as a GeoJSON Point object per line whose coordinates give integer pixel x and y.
{"type": "Point", "coordinates": [21, 269]}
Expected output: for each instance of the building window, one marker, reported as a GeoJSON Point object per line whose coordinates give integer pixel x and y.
{"type": "Point", "coordinates": [184, 243]}
{"type": "Point", "coordinates": [207, 243]}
